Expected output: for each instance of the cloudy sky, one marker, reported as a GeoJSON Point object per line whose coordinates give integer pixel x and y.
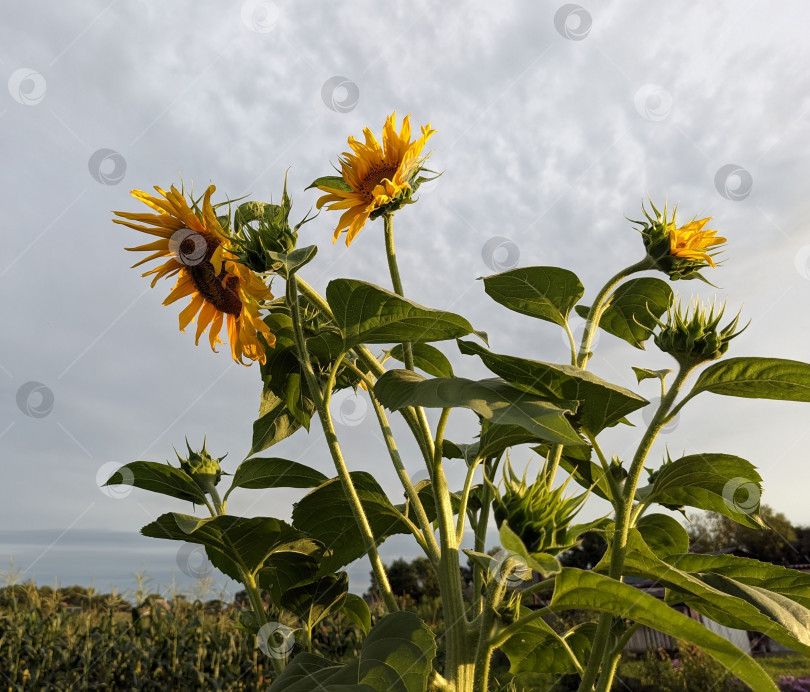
{"type": "Point", "coordinates": [554, 122]}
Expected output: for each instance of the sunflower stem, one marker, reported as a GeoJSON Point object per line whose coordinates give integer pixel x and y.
{"type": "Point", "coordinates": [601, 303]}
{"type": "Point", "coordinates": [600, 658]}
{"type": "Point", "coordinates": [393, 269]}
{"type": "Point", "coordinates": [322, 405]}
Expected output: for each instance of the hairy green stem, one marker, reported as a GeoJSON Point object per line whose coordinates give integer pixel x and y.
{"type": "Point", "coordinates": [553, 464]}
{"type": "Point", "coordinates": [417, 423]}
{"type": "Point", "coordinates": [396, 281]}
{"type": "Point", "coordinates": [600, 303]}
{"type": "Point", "coordinates": [494, 596]}
{"type": "Point", "coordinates": [600, 656]}
{"type": "Point", "coordinates": [322, 405]}
{"type": "Point", "coordinates": [465, 498]}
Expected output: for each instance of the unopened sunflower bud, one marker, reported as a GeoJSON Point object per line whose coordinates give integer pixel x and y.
{"type": "Point", "coordinates": [538, 515]}
{"type": "Point", "coordinates": [692, 335]}
{"type": "Point", "coordinates": [261, 230]}
{"type": "Point", "coordinates": [680, 252]}
{"type": "Point", "coordinates": [202, 467]}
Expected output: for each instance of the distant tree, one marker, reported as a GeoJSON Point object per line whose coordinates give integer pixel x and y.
{"type": "Point", "coordinates": [779, 543]}
{"type": "Point", "coordinates": [415, 579]}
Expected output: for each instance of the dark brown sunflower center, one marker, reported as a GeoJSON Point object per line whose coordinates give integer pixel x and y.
{"type": "Point", "coordinates": [222, 290]}
{"type": "Point", "coordinates": [375, 175]}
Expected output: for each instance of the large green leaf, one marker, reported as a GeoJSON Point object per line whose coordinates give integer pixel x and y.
{"type": "Point", "coordinates": [271, 472]}
{"type": "Point", "coordinates": [586, 590]}
{"type": "Point", "coordinates": [230, 542]}
{"type": "Point", "coordinates": [537, 648]}
{"type": "Point", "coordinates": [494, 399]}
{"type": "Point", "coordinates": [601, 403]}
{"type": "Point", "coordinates": [396, 656]}
{"type": "Point", "coordinates": [159, 478]}
{"type": "Point", "coordinates": [628, 313]}
{"type": "Point", "coordinates": [547, 293]}
{"type": "Point", "coordinates": [543, 563]}
{"type": "Point", "coordinates": [719, 483]}
{"type": "Point", "coordinates": [787, 582]}
{"type": "Point", "coordinates": [756, 378]}
{"type": "Point", "coordinates": [312, 602]}
{"type": "Point", "coordinates": [427, 358]}
{"type": "Point", "coordinates": [356, 609]}
{"type": "Point", "coordinates": [326, 515]}
{"type": "Point", "coordinates": [369, 314]}
{"type": "Point", "coordinates": [730, 603]}
{"type": "Point", "coordinates": [275, 422]}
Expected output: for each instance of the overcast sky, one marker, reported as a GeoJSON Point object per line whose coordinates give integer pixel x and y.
{"type": "Point", "coordinates": [554, 122]}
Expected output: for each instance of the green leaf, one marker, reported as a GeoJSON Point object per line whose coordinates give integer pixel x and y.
{"type": "Point", "coordinates": [493, 399]}
{"type": "Point", "coordinates": [356, 609]}
{"type": "Point", "coordinates": [496, 438]}
{"type": "Point", "coordinates": [312, 602]}
{"type": "Point", "coordinates": [719, 483]}
{"type": "Point", "coordinates": [230, 542]}
{"type": "Point", "coordinates": [291, 262]}
{"type": "Point", "coordinates": [723, 600]}
{"type": "Point", "coordinates": [537, 648]}
{"type": "Point", "coordinates": [274, 424]}
{"type": "Point", "coordinates": [326, 515]}
{"type": "Point", "coordinates": [540, 562]}
{"type": "Point", "coordinates": [397, 656]}
{"type": "Point", "coordinates": [586, 590]}
{"type": "Point", "coordinates": [601, 403]}
{"type": "Point", "coordinates": [663, 534]}
{"type": "Point", "coordinates": [427, 358]}
{"type": "Point", "coordinates": [756, 378]}
{"type": "Point", "coordinates": [369, 314]}
{"type": "Point", "coordinates": [271, 472]}
{"type": "Point", "coordinates": [294, 565]}
{"type": "Point", "coordinates": [336, 182]}
{"type": "Point", "coordinates": [457, 450]}
{"type": "Point", "coordinates": [547, 293]}
{"type": "Point", "coordinates": [628, 313]}
{"type": "Point", "coordinates": [159, 478]}
{"type": "Point", "coordinates": [787, 582]}
{"type": "Point", "coordinates": [647, 374]}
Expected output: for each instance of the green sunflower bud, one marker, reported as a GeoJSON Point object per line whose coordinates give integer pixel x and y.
{"type": "Point", "coordinates": [261, 229]}
{"type": "Point", "coordinates": [692, 335]}
{"type": "Point", "coordinates": [202, 467]}
{"type": "Point", "coordinates": [540, 516]}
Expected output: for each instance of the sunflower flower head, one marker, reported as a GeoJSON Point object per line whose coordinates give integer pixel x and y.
{"type": "Point", "coordinates": [679, 251]}
{"type": "Point", "coordinates": [202, 467]}
{"type": "Point", "coordinates": [374, 179]}
{"type": "Point", "coordinates": [195, 245]}
{"type": "Point", "coordinates": [692, 334]}
{"type": "Point", "coordinates": [540, 516]}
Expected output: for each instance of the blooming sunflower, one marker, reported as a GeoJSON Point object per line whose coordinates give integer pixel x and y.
{"type": "Point", "coordinates": [692, 242]}
{"type": "Point", "coordinates": [374, 179]}
{"type": "Point", "coordinates": [680, 251]}
{"type": "Point", "coordinates": [199, 253]}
